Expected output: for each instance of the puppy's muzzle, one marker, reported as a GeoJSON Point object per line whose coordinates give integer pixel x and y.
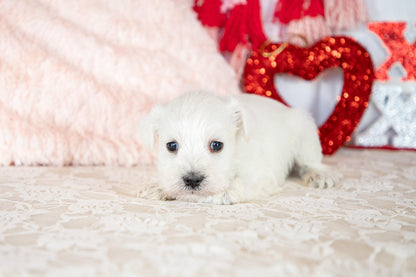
{"type": "Point", "coordinates": [193, 180]}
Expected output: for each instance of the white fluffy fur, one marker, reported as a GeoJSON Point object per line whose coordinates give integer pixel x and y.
{"type": "Point", "coordinates": [76, 76]}
{"type": "Point", "coordinates": [263, 140]}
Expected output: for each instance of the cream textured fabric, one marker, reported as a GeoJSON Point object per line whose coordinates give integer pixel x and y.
{"type": "Point", "coordinates": [86, 221]}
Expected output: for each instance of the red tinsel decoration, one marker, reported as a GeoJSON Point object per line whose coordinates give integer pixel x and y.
{"type": "Point", "coordinates": [307, 63]}
{"type": "Point", "coordinates": [241, 25]}
{"type": "Point", "coordinates": [288, 10]}
{"type": "Point", "coordinates": [303, 21]}
{"type": "Point", "coordinates": [209, 13]}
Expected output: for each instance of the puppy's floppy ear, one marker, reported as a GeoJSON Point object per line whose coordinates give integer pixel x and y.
{"type": "Point", "coordinates": [148, 126]}
{"type": "Point", "coordinates": [239, 115]}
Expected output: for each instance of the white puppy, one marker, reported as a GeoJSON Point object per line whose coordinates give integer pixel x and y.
{"type": "Point", "coordinates": [228, 150]}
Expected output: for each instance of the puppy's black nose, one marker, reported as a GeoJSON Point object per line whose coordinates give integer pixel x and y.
{"type": "Point", "coordinates": [193, 180]}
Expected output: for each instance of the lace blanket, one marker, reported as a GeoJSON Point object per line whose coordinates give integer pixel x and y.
{"type": "Point", "coordinates": [86, 221]}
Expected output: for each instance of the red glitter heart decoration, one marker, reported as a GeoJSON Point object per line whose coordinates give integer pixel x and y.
{"type": "Point", "coordinates": [307, 63]}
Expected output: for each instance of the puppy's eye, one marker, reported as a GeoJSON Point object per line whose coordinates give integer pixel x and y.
{"type": "Point", "coordinates": [172, 146]}
{"type": "Point", "coordinates": [216, 146]}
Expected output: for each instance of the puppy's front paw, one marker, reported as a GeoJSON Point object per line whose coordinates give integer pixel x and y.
{"type": "Point", "coordinates": [318, 180]}
{"type": "Point", "coordinates": [219, 199]}
{"type": "Point", "coordinates": [152, 192]}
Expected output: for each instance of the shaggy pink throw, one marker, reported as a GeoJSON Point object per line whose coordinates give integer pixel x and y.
{"type": "Point", "coordinates": [76, 76]}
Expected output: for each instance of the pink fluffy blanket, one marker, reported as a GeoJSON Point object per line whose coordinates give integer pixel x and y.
{"type": "Point", "coordinates": [76, 76]}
